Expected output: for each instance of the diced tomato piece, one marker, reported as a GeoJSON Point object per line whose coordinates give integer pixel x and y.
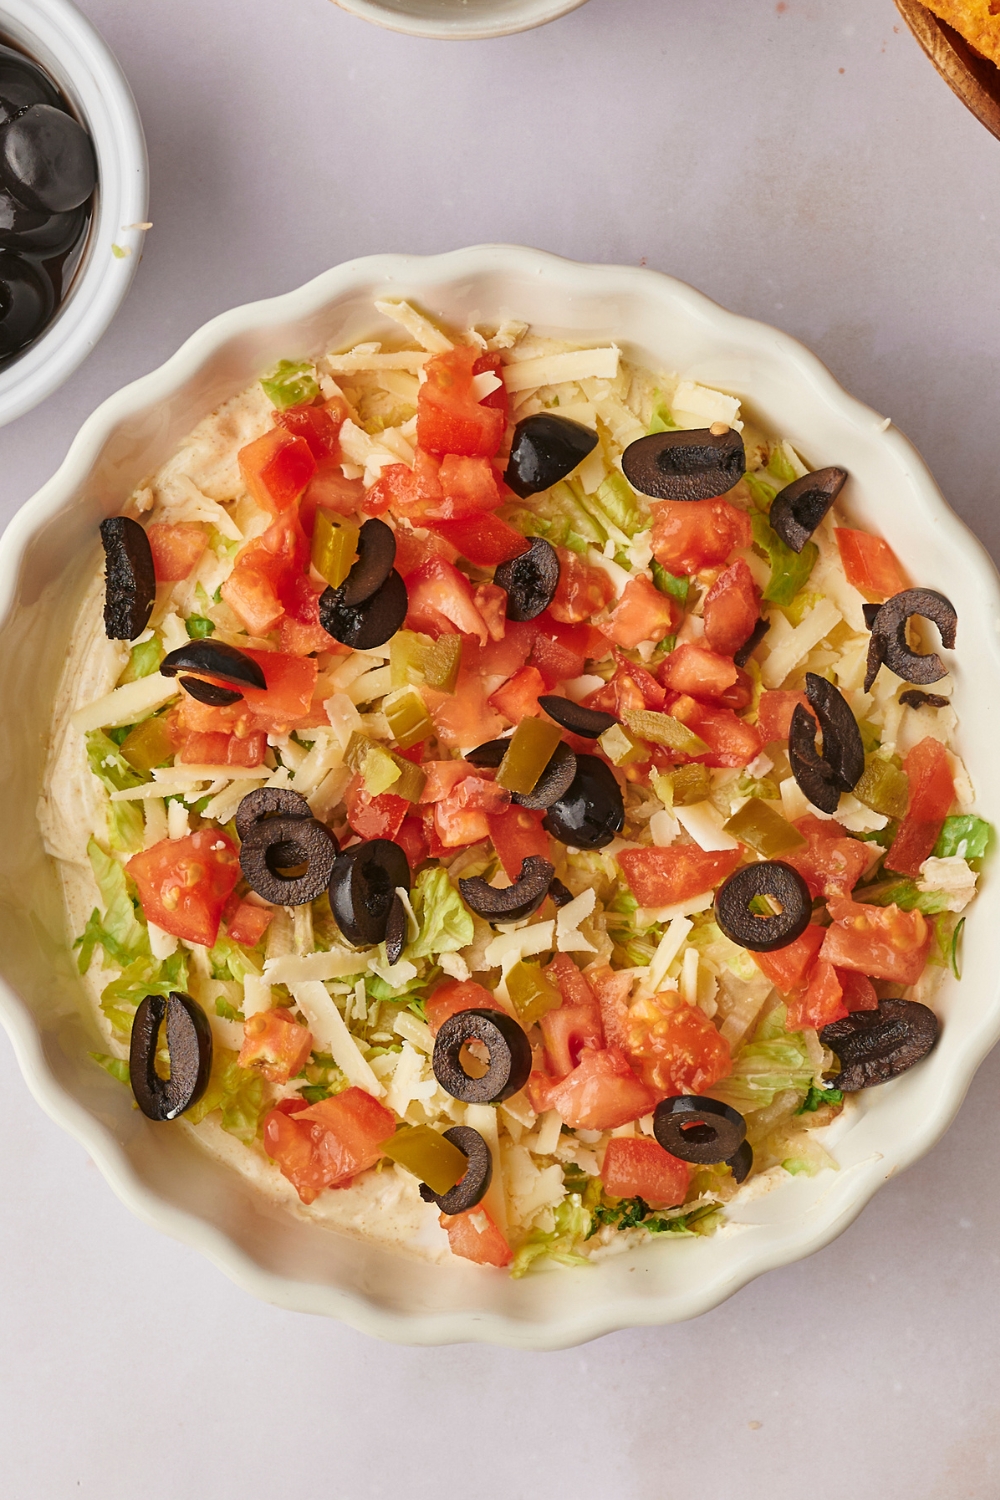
{"type": "Point", "coordinates": [517, 834]}
{"type": "Point", "coordinates": [695, 670]}
{"type": "Point", "coordinates": [464, 718]}
{"type": "Point", "coordinates": [517, 699]}
{"type": "Point", "coordinates": [731, 609]}
{"type": "Point", "coordinates": [456, 995]}
{"type": "Point", "coordinates": [412, 839]}
{"type": "Point", "coordinates": [870, 563]}
{"type": "Point", "coordinates": [456, 823]}
{"type": "Point", "coordinates": [859, 992]}
{"type": "Point", "coordinates": [290, 1145]}
{"type": "Point", "coordinates": [641, 614]}
{"type": "Point", "coordinates": [252, 595]}
{"type": "Point", "coordinates": [663, 877]}
{"type": "Point", "coordinates": [788, 967]}
{"type": "Point", "coordinates": [318, 426]}
{"type": "Point", "coordinates": [474, 1236]}
{"type": "Point", "coordinates": [266, 572]}
{"type": "Point", "coordinates": [774, 714]}
{"type": "Point", "coordinates": [560, 652]}
{"type": "Point", "coordinates": [469, 487]}
{"type": "Point", "coordinates": [371, 817]}
{"type": "Point", "coordinates": [443, 777]}
{"type": "Point", "coordinates": [249, 923]}
{"type": "Point", "coordinates": [879, 941]}
{"type": "Point", "coordinates": [502, 657]}
{"type": "Point", "coordinates": [275, 1045]}
{"type": "Point", "coordinates": [413, 550]}
{"type": "Point", "coordinates": [692, 534]}
{"type": "Point", "coordinates": [414, 493]}
{"type": "Point", "coordinates": [731, 740]}
{"type": "Point", "coordinates": [601, 1092]}
{"type": "Point", "coordinates": [484, 539]}
{"type": "Point", "coordinates": [288, 695]}
{"type": "Point", "coordinates": [491, 603]}
{"type": "Point", "coordinates": [330, 489]}
{"type": "Point", "coordinates": [216, 748]}
{"type": "Point", "coordinates": [328, 1144]}
{"type": "Point", "coordinates": [820, 1003]}
{"type": "Point", "coordinates": [449, 418]}
{"type": "Point", "coordinates": [932, 791]}
{"type": "Point", "coordinates": [575, 1024]}
{"type": "Point", "coordinates": [582, 591]}
{"type": "Point", "coordinates": [176, 548]}
{"type": "Point", "coordinates": [441, 602]}
{"type": "Point", "coordinates": [297, 639]}
{"type": "Point", "coordinates": [483, 794]}
{"type": "Point", "coordinates": [831, 864]}
{"type": "Point", "coordinates": [640, 1168]}
{"type": "Point", "coordinates": [276, 469]}
{"type": "Point", "coordinates": [184, 883]}
{"type": "Point", "coordinates": [673, 1046]}
{"type": "Point", "coordinates": [630, 688]}
{"type": "Point", "coordinates": [247, 749]}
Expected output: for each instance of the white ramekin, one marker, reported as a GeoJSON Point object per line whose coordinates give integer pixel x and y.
{"type": "Point", "coordinates": [459, 20]}
{"type": "Point", "coordinates": [65, 44]}
{"type": "Point", "coordinates": [49, 553]}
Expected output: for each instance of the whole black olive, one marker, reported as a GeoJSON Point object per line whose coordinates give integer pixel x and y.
{"type": "Point", "coordinates": [473, 1187]}
{"type": "Point", "coordinates": [685, 465]}
{"type": "Point", "coordinates": [510, 903]}
{"type": "Point", "coordinates": [822, 778]}
{"type": "Point", "coordinates": [22, 83]}
{"type": "Point", "coordinates": [371, 623]}
{"type": "Point", "coordinates": [488, 756]}
{"type": "Point", "coordinates": [509, 1053]}
{"type": "Point", "coordinates": [544, 450]}
{"type": "Point", "coordinates": [588, 723]}
{"type": "Point", "coordinates": [592, 812]}
{"type": "Point", "coordinates": [47, 159]}
{"type": "Point", "coordinates": [273, 845]}
{"type": "Point", "coordinates": [396, 929]}
{"type": "Point", "coordinates": [265, 802]}
{"type": "Point", "coordinates": [26, 303]}
{"type": "Point", "coordinates": [211, 693]}
{"type": "Point", "coordinates": [753, 640]}
{"type": "Point", "coordinates": [698, 1129]}
{"type": "Point", "coordinates": [798, 509]}
{"type": "Point", "coordinates": [38, 234]}
{"type": "Point", "coordinates": [363, 887]}
{"type": "Point", "coordinates": [530, 580]}
{"type": "Point", "coordinates": [215, 659]}
{"type": "Point", "coordinates": [914, 698]}
{"type": "Point", "coordinates": [876, 1045]}
{"type": "Point", "coordinates": [189, 1043]}
{"type": "Point", "coordinates": [771, 877]}
{"type": "Point", "coordinates": [554, 782]}
{"type": "Point", "coordinates": [741, 1162]}
{"type": "Point", "coordinates": [130, 584]}
{"type": "Point", "coordinates": [888, 642]}
{"type": "Point", "coordinates": [376, 555]}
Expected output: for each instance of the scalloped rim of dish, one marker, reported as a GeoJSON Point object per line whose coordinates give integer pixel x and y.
{"type": "Point", "coordinates": [605, 1313]}
{"type": "Point", "coordinates": [446, 30]}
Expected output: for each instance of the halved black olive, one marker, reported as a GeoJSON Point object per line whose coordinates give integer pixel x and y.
{"type": "Point", "coordinates": [130, 584]}
{"type": "Point", "coordinates": [376, 555]}
{"type": "Point", "coordinates": [914, 698]}
{"type": "Point", "coordinates": [265, 802]}
{"type": "Point", "coordinates": [363, 887]}
{"type": "Point", "coordinates": [888, 643]}
{"type": "Point", "coordinates": [554, 782]}
{"type": "Point", "coordinates": [698, 1129]}
{"type": "Point", "coordinates": [488, 756]}
{"type": "Point", "coordinates": [510, 903]}
{"type": "Point", "coordinates": [530, 580]}
{"type": "Point", "coordinates": [509, 1054]}
{"type": "Point", "coordinates": [753, 640]}
{"type": "Point", "coordinates": [592, 811]}
{"type": "Point", "coordinates": [189, 1042]}
{"type": "Point", "coordinates": [473, 1187]}
{"type": "Point", "coordinates": [588, 723]}
{"type": "Point", "coordinates": [211, 693]}
{"type": "Point", "coordinates": [685, 465]}
{"type": "Point", "coordinates": [371, 623]}
{"type": "Point", "coordinates": [545, 449]}
{"type": "Point", "coordinates": [823, 777]}
{"type": "Point", "coordinates": [396, 928]}
{"type": "Point", "coordinates": [559, 894]}
{"type": "Point", "coordinates": [798, 509]}
{"type": "Point", "coordinates": [215, 659]}
{"type": "Point", "coordinates": [870, 612]}
{"type": "Point", "coordinates": [771, 877]}
{"type": "Point", "coordinates": [273, 845]}
{"type": "Point", "coordinates": [875, 1045]}
{"type": "Point", "coordinates": [741, 1162]}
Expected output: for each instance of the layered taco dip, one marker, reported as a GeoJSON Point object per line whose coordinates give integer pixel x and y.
{"type": "Point", "coordinates": [505, 806]}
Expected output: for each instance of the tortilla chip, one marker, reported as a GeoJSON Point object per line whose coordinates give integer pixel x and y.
{"type": "Point", "coordinates": [978, 21]}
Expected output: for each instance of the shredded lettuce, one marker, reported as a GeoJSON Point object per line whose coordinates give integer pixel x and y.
{"type": "Point", "coordinates": [445, 924]}
{"type": "Point", "coordinates": [761, 494]}
{"type": "Point", "coordinates": [779, 465]}
{"type": "Point", "coordinates": [669, 583]}
{"type": "Point", "coordinates": [229, 960]}
{"type": "Point", "coordinates": [143, 660]}
{"type": "Point", "coordinates": [199, 627]}
{"type": "Point", "coordinates": [773, 1061]}
{"type": "Point", "coordinates": [617, 502]}
{"type": "Point", "coordinates": [125, 826]}
{"type": "Point", "coordinates": [237, 1092]}
{"type": "Point", "coordinates": [116, 1066]}
{"type": "Point", "coordinates": [121, 934]}
{"type": "Point", "coordinates": [573, 1224]}
{"type": "Point", "coordinates": [109, 765]}
{"type": "Point", "coordinates": [905, 894]}
{"type": "Point", "coordinates": [290, 383]}
{"type": "Point", "coordinates": [142, 977]}
{"type": "Point", "coordinates": [966, 836]}
{"type": "Point", "coordinates": [816, 1098]}
{"type": "Point", "coordinates": [789, 570]}
{"type": "Point", "coordinates": [661, 419]}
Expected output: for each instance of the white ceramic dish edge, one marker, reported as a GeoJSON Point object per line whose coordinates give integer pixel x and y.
{"type": "Point", "coordinates": [493, 19]}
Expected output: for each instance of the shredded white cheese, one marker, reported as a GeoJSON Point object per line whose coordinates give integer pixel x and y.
{"type": "Point", "coordinates": [330, 1030]}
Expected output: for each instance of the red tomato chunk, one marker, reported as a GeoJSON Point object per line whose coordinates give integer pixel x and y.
{"type": "Point", "coordinates": [474, 1236]}
{"type": "Point", "coordinates": [932, 791]}
{"type": "Point", "coordinates": [449, 417]}
{"type": "Point", "coordinates": [870, 563]}
{"type": "Point", "coordinates": [275, 1045]}
{"type": "Point", "coordinates": [327, 1144]}
{"type": "Point", "coordinates": [692, 534]}
{"type": "Point", "coordinates": [176, 548]}
{"type": "Point", "coordinates": [640, 1168]}
{"type": "Point", "coordinates": [663, 877]}
{"type": "Point", "coordinates": [731, 609]}
{"type": "Point", "coordinates": [880, 941]}
{"type": "Point", "coordinates": [184, 883]}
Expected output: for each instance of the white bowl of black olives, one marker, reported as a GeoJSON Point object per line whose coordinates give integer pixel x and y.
{"type": "Point", "coordinates": [51, 553]}
{"type": "Point", "coordinates": [73, 196]}
{"type": "Point", "coordinates": [460, 20]}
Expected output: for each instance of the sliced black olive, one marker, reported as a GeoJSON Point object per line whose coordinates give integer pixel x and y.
{"type": "Point", "coordinates": [473, 1187]}
{"type": "Point", "coordinates": [376, 555]}
{"type": "Point", "coordinates": [875, 1045]}
{"type": "Point", "coordinates": [130, 585]}
{"type": "Point", "coordinates": [363, 887]}
{"type": "Point", "coordinates": [592, 811]}
{"type": "Point", "coordinates": [888, 643]}
{"type": "Point", "coordinates": [823, 777]}
{"type": "Point", "coordinates": [189, 1042]}
{"type": "Point", "coordinates": [22, 83]}
{"type": "Point", "coordinates": [741, 1162]}
{"type": "Point", "coordinates": [211, 693]}
{"type": "Point", "coordinates": [698, 1129]}
{"type": "Point", "coordinates": [771, 877]}
{"type": "Point", "coordinates": [27, 302]}
{"type": "Point", "coordinates": [870, 612]}
{"type": "Point", "coordinates": [530, 580]}
{"type": "Point", "coordinates": [914, 698]}
{"type": "Point", "coordinates": [274, 845]}
{"type": "Point", "coordinates": [488, 756]}
{"type": "Point", "coordinates": [371, 623]}
{"type": "Point", "coordinates": [798, 509]}
{"type": "Point", "coordinates": [753, 640]}
{"type": "Point", "coordinates": [554, 782]}
{"type": "Point", "coordinates": [39, 234]}
{"type": "Point", "coordinates": [216, 659]}
{"type": "Point", "coordinates": [509, 1053]}
{"type": "Point", "coordinates": [559, 893]}
{"type": "Point", "coordinates": [545, 449]}
{"type": "Point", "coordinates": [588, 723]}
{"type": "Point", "coordinates": [47, 159]}
{"type": "Point", "coordinates": [265, 802]}
{"type": "Point", "coordinates": [510, 903]}
{"type": "Point", "coordinates": [685, 465]}
{"type": "Point", "coordinates": [396, 929]}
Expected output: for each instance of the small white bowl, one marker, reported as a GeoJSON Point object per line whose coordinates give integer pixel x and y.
{"type": "Point", "coordinates": [459, 20]}
{"type": "Point", "coordinates": [63, 42]}
{"type": "Point", "coordinates": [50, 552]}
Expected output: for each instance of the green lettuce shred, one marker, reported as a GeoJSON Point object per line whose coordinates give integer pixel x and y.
{"type": "Point", "coordinates": [143, 660]}
{"type": "Point", "coordinates": [789, 570]}
{"type": "Point", "coordinates": [445, 924]}
{"type": "Point", "coordinates": [773, 1061]}
{"type": "Point", "coordinates": [237, 1092]}
{"type": "Point", "coordinates": [116, 1066]}
{"type": "Point", "coordinates": [143, 976]}
{"type": "Point", "coordinates": [669, 583]}
{"type": "Point", "coordinates": [199, 627]}
{"type": "Point", "coordinates": [617, 502]}
{"type": "Point", "coordinates": [967, 837]}
{"type": "Point", "coordinates": [290, 383]}
{"type": "Point", "coordinates": [761, 494]}
{"type": "Point", "coordinates": [125, 826]}
{"type": "Point", "coordinates": [780, 466]}
{"type": "Point", "coordinates": [121, 933]}
{"type": "Point", "coordinates": [661, 419]}
{"type": "Point", "coordinates": [572, 1225]}
{"type": "Point", "coordinates": [816, 1098]}
{"type": "Point", "coordinates": [905, 894]}
{"type": "Point", "coordinates": [109, 765]}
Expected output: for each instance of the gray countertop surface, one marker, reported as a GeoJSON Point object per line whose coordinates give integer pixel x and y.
{"type": "Point", "coordinates": [802, 163]}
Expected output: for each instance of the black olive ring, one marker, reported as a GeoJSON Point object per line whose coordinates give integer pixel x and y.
{"type": "Point", "coordinates": [876, 1045]}
{"type": "Point", "coordinates": [189, 1042]}
{"type": "Point", "coordinates": [364, 885]}
{"type": "Point", "coordinates": [130, 583]}
{"type": "Point", "coordinates": [475, 1184]}
{"type": "Point", "coordinates": [275, 844]}
{"type": "Point", "coordinates": [698, 1129]}
{"type": "Point", "coordinates": [822, 778]}
{"type": "Point", "coordinates": [888, 643]}
{"type": "Point", "coordinates": [530, 580]}
{"type": "Point", "coordinates": [771, 877]}
{"type": "Point", "coordinates": [509, 1053]}
{"type": "Point", "coordinates": [510, 903]}
{"type": "Point", "coordinates": [264, 802]}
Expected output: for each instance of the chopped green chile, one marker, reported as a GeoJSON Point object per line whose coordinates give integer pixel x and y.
{"type": "Point", "coordinates": [416, 659]}
{"type": "Point", "coordinates": [662, 729]}
{"type": "Point", "coordinates": [412, 779]}
{"type": "Point", "coordinates": [685, 785]}
{"type": "Point", "coordinates": [380, 771]}
{"type": "Point", "coordinates": [147, 745]}
{"type": "Point", "coordinates": [409, 721]}
{"type": "Point", "coordinates": [883, 787]}
{"type": "Point", "coordinates": [531, 993]}
{"type": "Point", "coordinates": [529, 752]}
{"type": "Point", "coordinates": [764, 830]}
{"type": "Point", "coordinates": [334, 548]}
{"type": "Point", "coordinates": [621, 747]}
{"type": "Point", "coordinates": [427, 1154]}
{"type": "Point", "coordinates": [789, 570]}
{"type": "Point", "coordinates": [966, 836]}
{"type": "Point", "coordinates": [442, 663]}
